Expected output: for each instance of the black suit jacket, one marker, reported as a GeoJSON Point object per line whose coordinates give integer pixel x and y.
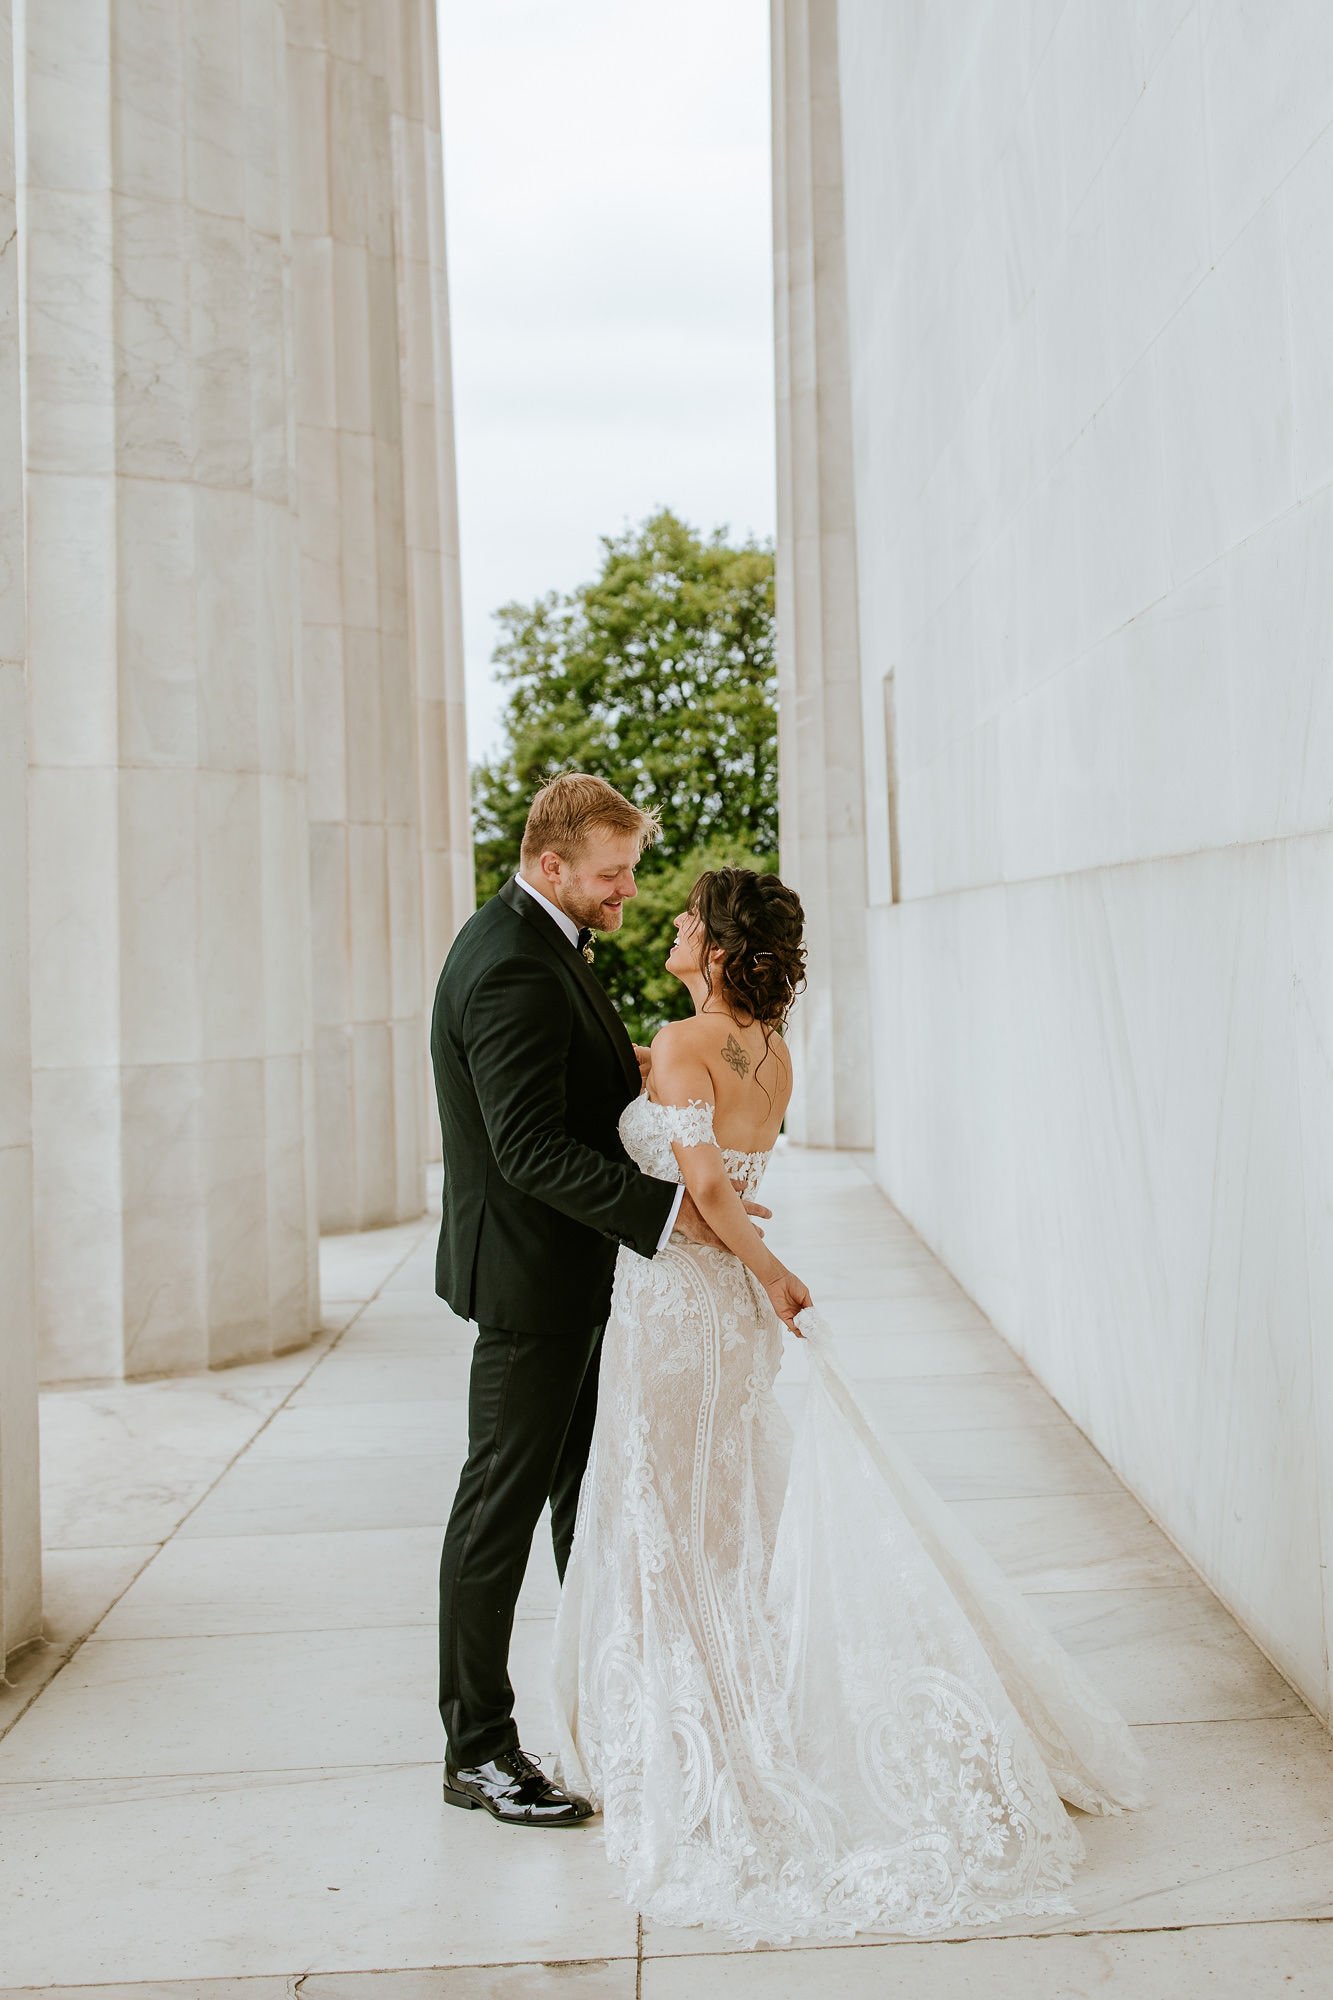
{"type": "Point", "coordinates": [532, 1071]}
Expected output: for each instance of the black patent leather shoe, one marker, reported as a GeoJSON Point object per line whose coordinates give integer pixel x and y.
{"type": "Point", "coordinates": [514, 1788]}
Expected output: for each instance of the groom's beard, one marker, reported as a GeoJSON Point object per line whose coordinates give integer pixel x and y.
{"type": "Point", "coordinates": [590, 913]}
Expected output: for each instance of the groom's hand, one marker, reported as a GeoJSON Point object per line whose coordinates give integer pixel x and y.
{"type": "Point", "coordinates": [752, 1208]}
{"type": "Point", "coordinates": [644, 1058]}
{"type": "Point", "coordinates": [690, 1223]}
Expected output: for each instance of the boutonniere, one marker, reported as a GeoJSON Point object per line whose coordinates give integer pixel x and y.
{"type": "Point", "coordinates": [588, 951]}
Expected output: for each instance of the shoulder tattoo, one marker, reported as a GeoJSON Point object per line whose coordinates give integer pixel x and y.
{"type": "Point", "coordinates": [735, 1056]}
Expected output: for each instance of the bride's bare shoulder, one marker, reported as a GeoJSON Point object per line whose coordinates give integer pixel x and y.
{"type": "Point", "coordinates": [669, 1034]}
{"type": "Point", "coordinates": [676, 1037]}
{"type": "Point", "coordinates": [680, 1067]}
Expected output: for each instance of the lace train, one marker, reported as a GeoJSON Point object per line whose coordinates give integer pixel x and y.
{"type": "Point", "coordinates": [807, 1702]}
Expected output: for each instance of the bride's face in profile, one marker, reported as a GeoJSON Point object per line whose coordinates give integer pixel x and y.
{"type": "Point", "coordinates": [686, 954]}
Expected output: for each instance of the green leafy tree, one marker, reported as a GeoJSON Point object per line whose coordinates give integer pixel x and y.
{"type": "Point", "coordinates": [659, 676]}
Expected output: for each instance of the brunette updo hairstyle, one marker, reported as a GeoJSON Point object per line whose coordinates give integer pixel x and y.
{"type": "Point", "coordinates": [756, 922]}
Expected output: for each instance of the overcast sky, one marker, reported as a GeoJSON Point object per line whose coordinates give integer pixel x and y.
{"type": "Point", "coordinates": [609, 240]}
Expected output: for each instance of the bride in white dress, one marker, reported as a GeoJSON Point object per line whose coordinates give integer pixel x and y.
{"type": "Point", "coordinates": [807, 1703]}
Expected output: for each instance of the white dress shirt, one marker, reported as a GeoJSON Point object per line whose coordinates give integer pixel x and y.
{"type": "Point", "coordinates": [553, 911]}
{"type": "Point", "coordinates": [571, 931]}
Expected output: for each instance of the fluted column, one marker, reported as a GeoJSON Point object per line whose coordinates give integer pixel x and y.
{"type": "Point", "coordinates": [434, 594]}
{"type": "Point", "coordinates": [819, 693]}
{"type": "Point", "coordinates": [361, 698]}
{"type": "Point", "coordinates": [20, 1550]}
{"type": "Point", "coordinates": [172, 1065]}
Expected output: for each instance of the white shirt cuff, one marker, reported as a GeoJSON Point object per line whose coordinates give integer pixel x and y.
{"type": "Point", "coordinates": [664, 1238]}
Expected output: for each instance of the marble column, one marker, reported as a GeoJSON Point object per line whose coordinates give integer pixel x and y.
{"type": "Point", "coordinates": [434, 594]}
{"type": "Point", "coordinates": [172, 1044]}
{"type": "Point", "coordinates": [20, 1550]}
{"type": "Point", "coordinates": [819, 695]}
{"type": "Point", "coordinates": [368, 530]}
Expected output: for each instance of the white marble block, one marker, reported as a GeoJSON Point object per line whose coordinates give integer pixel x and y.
{"type": "Point", "coordinates": [1084, 324]}
{"type": "Point", "coordinates": [20, 1555]}
{"type": "Point", "coordinates": [380, 602]}
{"type": "Point", "coordinates": [823, 843]}
{"type": "Point", "coordinates": [169, 847]}
{"type": "Point", "coordinates": [430, 506]}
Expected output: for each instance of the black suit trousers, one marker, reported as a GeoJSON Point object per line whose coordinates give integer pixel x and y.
{"type": "Point", "coordinates": [532, 1403]}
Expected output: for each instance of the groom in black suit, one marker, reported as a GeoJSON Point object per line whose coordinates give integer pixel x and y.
{"type": "Point", "coordinates": [532, 1071]}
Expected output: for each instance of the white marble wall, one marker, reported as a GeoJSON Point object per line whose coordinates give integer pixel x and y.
{"type": "Point", "coordinates": [1090, 278]}
{"type": "Point", "coordinates": [823, 830]}
{"type": "Point", "coordinates": [430, 500]}
{"type": "Point", "coordinates": [172, 1066]}
{"type": "Point", "coordinates": [387, 773]}
{"type": "Point", "coordinates": [20, 1583]}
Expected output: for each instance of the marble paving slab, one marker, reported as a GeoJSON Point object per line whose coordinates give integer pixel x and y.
{"type": "Point", "coordinates": [335, 1314]}
{"type": "Point", "coordinates": [300, 1582]}
{"type": "Point", "coordinates": [1031, 1462]}
{"type": "Point", "coordinates": [590, 1979]}
{"type": "Point", "coordinates": [124, 1463]}
{"type": "Point", "coordinates": [362, 1430]}
{"type": "Point", "coordinates": [411, 1279]}
{"type": "Point", "coordinates": [257, 1872]}
{"type": "Point", "coordinates": [425, 1333]}
{"type": "Point", "coordinates": [1225, 1962]}
{"type": "Point", "coordinates": [1076, 1541]}
{"type": "Point", "coordinates": [79, 1586]}
{"type": "Point", "coordinates": [569, 1979]}
{"type": "Point", "coordinates": [266, 1701]}
{"type": "Point", "coordinates": [282, 1583]}
{"type": "Point", "coordinates": [1171, 1654]}
{"type": "Point", "coordinates": [962, 1401]}
{"type": "Point", "coordinates": [356, 1267]}
{"type": "Point", "coordinates": [306, 1495]}
{"type": "Point", "coordinates": [278, 1987]}
{"type": "Point", "coordinates": [367, 1374]}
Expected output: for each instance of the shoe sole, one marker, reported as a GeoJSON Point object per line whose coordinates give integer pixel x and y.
{"type": "Point", "coordinates": [466, 1803]}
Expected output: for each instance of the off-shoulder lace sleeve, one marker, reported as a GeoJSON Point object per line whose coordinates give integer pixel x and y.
{"type": "Point", "coordinates": [688, 1124]}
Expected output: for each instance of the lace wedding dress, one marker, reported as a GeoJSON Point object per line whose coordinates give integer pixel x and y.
{"type": "Point", "coordinates": [806, 1701]}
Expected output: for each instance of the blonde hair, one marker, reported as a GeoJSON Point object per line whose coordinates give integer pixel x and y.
{"type": "Point", "coordinates": [573, 806]}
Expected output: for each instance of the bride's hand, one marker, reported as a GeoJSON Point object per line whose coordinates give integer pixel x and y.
{"type": "Point", "coordinates": [644, 1058]}
{"type": "Point", "coordinates": [788, 1296]}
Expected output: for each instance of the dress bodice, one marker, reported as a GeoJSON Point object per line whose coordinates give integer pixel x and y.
{"type": "Point", "coordinates": [648, 1130]}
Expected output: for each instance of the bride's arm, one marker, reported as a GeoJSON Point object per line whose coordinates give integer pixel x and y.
{"type": "Point", "coordinates": [679, 1077]}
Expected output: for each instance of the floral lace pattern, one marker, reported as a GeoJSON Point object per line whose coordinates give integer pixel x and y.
{"type": "Point", "coordinates": [648, 1132]}
{"type": "Point", "coordinates": [808, 1704]}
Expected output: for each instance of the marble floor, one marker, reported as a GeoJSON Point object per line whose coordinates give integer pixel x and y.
{"type": "Point", "coordinates": [219, 1777]}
